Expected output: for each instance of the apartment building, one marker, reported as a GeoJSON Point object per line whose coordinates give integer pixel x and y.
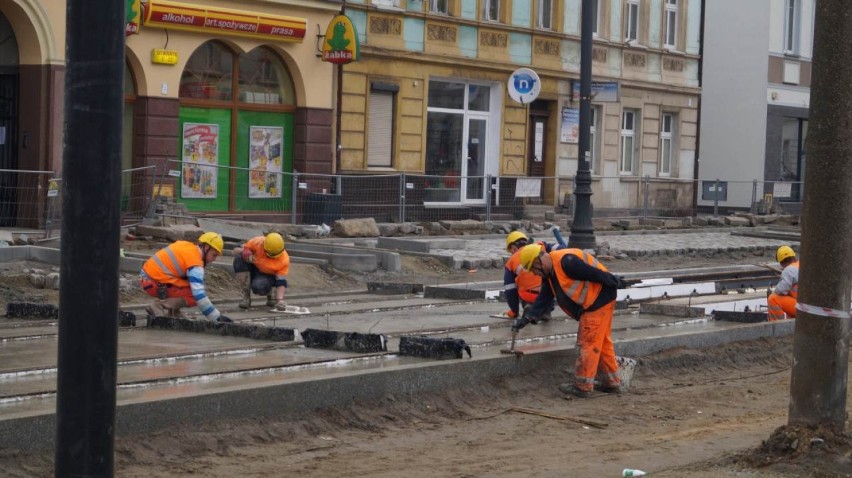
{"type": "Point", "coordinates": [429, 96]}
{"type": "Point", "coordinates": [755, 101]}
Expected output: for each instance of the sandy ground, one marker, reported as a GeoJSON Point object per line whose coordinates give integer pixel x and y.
{"type": "Point", "coordinates": [699, 413]}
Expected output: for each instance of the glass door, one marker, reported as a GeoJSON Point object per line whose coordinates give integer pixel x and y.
{"type": "Point", "coordinates": [474, 185]}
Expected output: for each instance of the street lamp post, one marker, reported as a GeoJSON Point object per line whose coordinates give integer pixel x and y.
{"type": "Point", "coordinates": [582, 230]}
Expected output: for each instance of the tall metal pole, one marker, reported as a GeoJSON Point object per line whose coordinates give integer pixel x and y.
{"type": "Point", "coordinates": [582, 230]}
{"type": "Point", "coordinates": [821, 342]}
{"type": "Point", "coordinates": [88, 291]}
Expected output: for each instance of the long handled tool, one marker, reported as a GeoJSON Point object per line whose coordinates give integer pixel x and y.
{"type": "Point", "coordinates": [511, 349]}
{"type": "Point", "coordinates": [584, 421]}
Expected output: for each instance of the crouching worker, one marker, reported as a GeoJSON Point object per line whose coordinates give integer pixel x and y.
{"type": "Point", "coordinates": [520, 286]}
{"type": "Point", "coordinates": [261, 265]}
{"type": "Point", "coordinates": [783, 298]}
{"type": "Point", "coordinates": [586, 291]}
{"type": "Point", "coordinates": [175, 276]}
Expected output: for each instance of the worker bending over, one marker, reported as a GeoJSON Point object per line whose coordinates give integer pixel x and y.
{"type": "Point", "coordinates": [586, 291]}
{"type": "Point", "coordinates": [262, 264]}
{"type": "Point", "coordinates": [521, 287]}
{"type": "Point", "coordinates": [783, 298]}
{"type": "Point", "coordinates": [175, 276]}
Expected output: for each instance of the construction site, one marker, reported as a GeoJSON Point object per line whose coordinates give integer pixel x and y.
{"type": "Point", "coordinates": [391, 359]}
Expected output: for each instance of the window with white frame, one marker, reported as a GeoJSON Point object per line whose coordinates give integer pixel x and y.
{"type": "Point", "coordinates": [671, 23]}
{"type": "Point", "coordinates": [791, 21]}
{"type": "Point", "coordinates": [594, 139]}
{"type": "Point", "coordinates": [491, 10]}
{"type": "Point", "coordinates": [596, 16]}
{"type": "Point", "coordinates": [628, 141]}
{"type": "Point", "coordinates": [387, 3]}
{"type": "Point", "coordinates": [631, 18]}
{"type": "Point", "coordinates": [439, 6]}
{"type": "Point", "coordinates": [667, 125]}
{"type": "Point", "coordinates": [380, 126]}
{"type": "Point", "coordinates": [544, 14]}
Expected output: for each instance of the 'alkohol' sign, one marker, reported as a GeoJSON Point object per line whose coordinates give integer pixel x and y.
{"type": "Point", "coordinates": [341, 41]}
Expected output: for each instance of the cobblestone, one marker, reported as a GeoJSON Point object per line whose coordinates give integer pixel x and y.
{"type": "Point", "coordinates": [480, 251]}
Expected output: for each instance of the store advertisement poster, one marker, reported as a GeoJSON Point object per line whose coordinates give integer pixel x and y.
{"type": "Point", "coordinates": [265, 161]}
{"type": "Point", "coordinates": [199, 173]}
{"type": "Point", "coordinates": [570, 132]}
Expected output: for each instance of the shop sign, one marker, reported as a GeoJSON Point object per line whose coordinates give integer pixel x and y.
{"type": "Point", "coordinates": [341, 41]}
{"type": "Point", "coordinates": [197, 18]}
{"type": "Point", "coordinates": [602, 91]}
{"type": "Point", "coordinates": [524, 85]}
{"type": "Point", "coordinates": [133, 17]}
{"type": "Point", "coordinates": [164, 57]}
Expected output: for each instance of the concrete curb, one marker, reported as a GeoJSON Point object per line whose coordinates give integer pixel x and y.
{"type": "Point", "coordinates": [292, 398]}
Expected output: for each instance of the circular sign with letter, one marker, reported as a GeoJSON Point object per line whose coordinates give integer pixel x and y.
{"type": "Point", "coordinates": [524, 85]}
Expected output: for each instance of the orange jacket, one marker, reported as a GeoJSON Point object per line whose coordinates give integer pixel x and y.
{"type": "Point", "coordinates": [170, 264]}
{"type": "Point", "coordinates": [524, 279]}
{"type": "Point", "coordinates": [277, 266]}
{"type": "Point", "coordinates": [581, 292]}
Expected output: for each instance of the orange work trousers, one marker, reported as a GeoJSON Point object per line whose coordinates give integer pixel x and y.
{"type": "Point", "coordinates": [596, 353]}
{"type": "Point", "coordinates": [150, 287]}
{"type": "Point", "coordinates": [780, 305]}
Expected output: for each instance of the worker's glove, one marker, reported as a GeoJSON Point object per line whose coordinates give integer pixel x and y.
{"type": "Point", "coordinates": [225, 319]}
{"type": "Point", "coordinates": [615, 281]}
{"type": "Point", "coordinates": [622, 284]}
{"type": "Point", "coordinates": [519, 323]}
{"type": "Point", "coordinates": [246, 255]}
{"type": "Point", "coordinates": [280, 306]}
{"type": "Point", "coordinates": [511, 314]}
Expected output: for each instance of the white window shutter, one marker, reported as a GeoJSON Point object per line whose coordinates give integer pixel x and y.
{"type": "Point", "coordinates": [380, 141]}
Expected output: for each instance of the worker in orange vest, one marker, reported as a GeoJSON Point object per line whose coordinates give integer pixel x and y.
{"type": "Point", "coordinates": [783, 298]}
{"type": "Point", "coordinates": [175, 276]}
{"type": "Point", "coordinates": [585, 290]}
{"type": "Point", "coordinates": [521, 287]}
{"type": "Point", "coordinates": [261, 265]}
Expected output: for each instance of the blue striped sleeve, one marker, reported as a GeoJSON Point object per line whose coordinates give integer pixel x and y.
{"type": "Point", "coordinates": [196, 285]}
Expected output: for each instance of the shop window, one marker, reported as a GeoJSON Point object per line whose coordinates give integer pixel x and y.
{"type": "Point", "coordinates": [209, 73]}
{"type": "Point", "coordinates": [381, 125]}
{"type": "Point", "coordinates": [127, 128]}
{"type": "Point", "coordinates": [596, 18]}
{"type": "Point", "coordinates": [264, 79]}
{"type": "Point", "coordinates": [791, 26]}
{"type": "Point", "coordinates": [629, 134]}
{"type": "Point", "coordinates": [388, 3]}
{"type": "Point", "coordinates": [594, 139]}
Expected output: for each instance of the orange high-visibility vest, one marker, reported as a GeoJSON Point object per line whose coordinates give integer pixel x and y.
{"type": "Point", "coordinates": [169, 264]}
{"type": "Point", "coordinates": [524, 279]}
{"type": "Point", "coordinates": [582, 293]}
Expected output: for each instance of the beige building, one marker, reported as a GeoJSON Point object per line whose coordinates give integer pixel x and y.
{"type": "Point", "coordinates": [429, 97]}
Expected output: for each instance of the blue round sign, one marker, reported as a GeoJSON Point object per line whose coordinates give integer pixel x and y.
{"type": "Point", "coordinates": [524, 85]}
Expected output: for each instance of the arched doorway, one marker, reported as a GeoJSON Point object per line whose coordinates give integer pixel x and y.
{"type": "Point", "coordinates": [9, 61]}
{"type": "Point", "coordinates": [236, 130]}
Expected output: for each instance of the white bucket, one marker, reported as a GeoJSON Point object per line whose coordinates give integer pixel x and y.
{"type": "Point", "coordinates": [626, 367]}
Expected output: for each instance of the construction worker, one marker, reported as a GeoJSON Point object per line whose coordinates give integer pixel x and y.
{"type": "Point", "coordinates": [520, 287]}
{"type": "Point", "coordinates": [175, 276]}
{"type": "Point", "coordinates": [586, 291]}
{"type": "Point", "coordinates": [262, 264]}
{"type": "Point", "coordinates": [783, 298]}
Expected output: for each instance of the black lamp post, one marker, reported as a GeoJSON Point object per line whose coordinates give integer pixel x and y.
{"type": "Point", "coordinates": [582, 230]}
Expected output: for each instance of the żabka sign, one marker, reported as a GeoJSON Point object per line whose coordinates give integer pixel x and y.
{"type": "Point", "coordinates": [182, 16]}
{"type": "Point", "coordinates": [341, 44]}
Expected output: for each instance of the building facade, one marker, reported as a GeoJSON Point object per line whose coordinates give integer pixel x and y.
{"type": "Point", "coordinates": [429, 96]}
{"type": "Point", "coordinates": [755, 100]}
{"type": "Point", "coordinates": [231, 95]}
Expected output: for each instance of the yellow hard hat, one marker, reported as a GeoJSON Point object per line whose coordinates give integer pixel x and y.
{"type": "Point", "coordinates": [273, 244]}
{"type": "Point", "coordinates": [213, 239]}
{"type": "Point", "coordinates": [514, 237]}
{"type": "Point", "coordinates": [528, 255]}
{"type": "Point", "coordinates": [783, 253]}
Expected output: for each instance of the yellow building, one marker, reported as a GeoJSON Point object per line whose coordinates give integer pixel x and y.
{"type": "Point", "coordinates": [429, 96]}
{"type": "Point", "coordinates": [230, 93]}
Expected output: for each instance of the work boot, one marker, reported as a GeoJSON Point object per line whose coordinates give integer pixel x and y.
{"type": "Point", "coordinates": [156, 309]}
{"type": "Point", "coordinates": [571, 389]}
{"type": "Point", "coordinates": [608, 388]}
{"type": "Point", "coordinates": [244, 279]}
{"type": "Point", "coordinates": [173, 305]}
{"type": "Point", "coordinates": [270, 300]}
